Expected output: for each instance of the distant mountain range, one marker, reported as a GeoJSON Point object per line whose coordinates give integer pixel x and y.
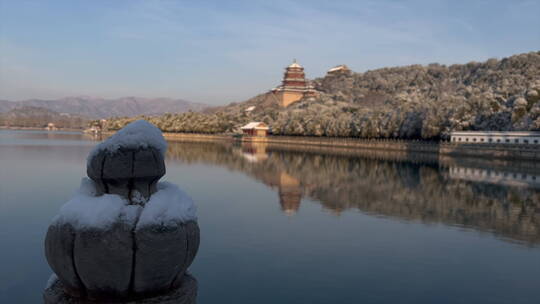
{"type": "Point", "coordinates": [93, 107]}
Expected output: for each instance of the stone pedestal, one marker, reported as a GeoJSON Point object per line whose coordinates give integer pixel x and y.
{"type": "Point", "coordinates": [185, 294]}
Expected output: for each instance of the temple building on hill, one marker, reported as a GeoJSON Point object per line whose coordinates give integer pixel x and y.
{"type": "Point", "coordinates": [339, 70]}
{"type": "Point", "coordinates": [294, 86]}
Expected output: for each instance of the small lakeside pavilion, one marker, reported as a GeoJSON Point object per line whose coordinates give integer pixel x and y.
{"type": "Point", "coordinates": [255, 129]}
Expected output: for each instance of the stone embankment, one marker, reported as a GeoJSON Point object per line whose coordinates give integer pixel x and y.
{"type": "Point", "coordinates": [194, 137]}
{"type": "Point", "coordinates": [378, 144]}
{"type": "Point", "coordinates": [490, 151]}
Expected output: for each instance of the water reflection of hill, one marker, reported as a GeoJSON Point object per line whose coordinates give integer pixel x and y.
{"type": "Point", "coordinates": [390, 185]}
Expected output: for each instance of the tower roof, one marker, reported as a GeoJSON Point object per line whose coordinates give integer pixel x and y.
{"type": "Point", "coordinates": [294, 64]}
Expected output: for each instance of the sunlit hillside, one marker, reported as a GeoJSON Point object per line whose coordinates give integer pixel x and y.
{"type": "Point", "coordinates": [401, 102]}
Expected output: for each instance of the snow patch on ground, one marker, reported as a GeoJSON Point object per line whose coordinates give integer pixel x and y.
{"type": "Point", "coordinates": [139, 134]}
{"type": "Point", "coordinates": [86, 210]}
{"type": "Point", "coordinates": [168, 206]}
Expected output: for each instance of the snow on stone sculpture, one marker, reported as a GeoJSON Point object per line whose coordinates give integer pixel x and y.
{"type": "Point", "coordinates": [130, 162]}
{"type": "Point", "coordinates": [124, 235]}
{"type": "Point", "coordinates": [138, 134]}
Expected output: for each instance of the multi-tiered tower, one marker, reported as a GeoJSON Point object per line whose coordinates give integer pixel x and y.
{"type": "Point", "coordinates": [294, 86]}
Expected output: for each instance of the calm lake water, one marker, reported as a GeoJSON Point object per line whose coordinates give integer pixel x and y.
{"type": "Point", "coordinates": [299, 225]}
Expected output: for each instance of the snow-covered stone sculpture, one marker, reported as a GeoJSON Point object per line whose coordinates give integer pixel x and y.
{"type": "Point", "coordinates": [124, 235]}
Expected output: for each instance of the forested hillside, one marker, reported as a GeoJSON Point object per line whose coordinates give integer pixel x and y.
{"type": "Point", "coordinates": [401, 102]}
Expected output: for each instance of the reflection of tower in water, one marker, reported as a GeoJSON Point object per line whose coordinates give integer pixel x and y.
{"type": "Point", "coordinates": [290, 193]}
{"type": "Point", "coordinates": [289, 188]}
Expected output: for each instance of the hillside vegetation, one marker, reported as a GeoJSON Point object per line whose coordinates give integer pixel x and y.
{"type": "Point", "coordinates": [36, 117]}
{"type": "Point", "coordinates": [408, 102]}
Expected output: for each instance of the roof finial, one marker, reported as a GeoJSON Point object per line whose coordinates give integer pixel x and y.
{"type": "Point", "coordinates": [294, 60]}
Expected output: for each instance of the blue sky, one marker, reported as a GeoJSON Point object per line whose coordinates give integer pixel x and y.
{"type": "Point", "coordinates": [222, 51]}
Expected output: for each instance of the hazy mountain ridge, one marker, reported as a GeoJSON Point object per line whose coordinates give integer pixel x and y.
{"type": "Point", "coordinates": [93, 107]}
